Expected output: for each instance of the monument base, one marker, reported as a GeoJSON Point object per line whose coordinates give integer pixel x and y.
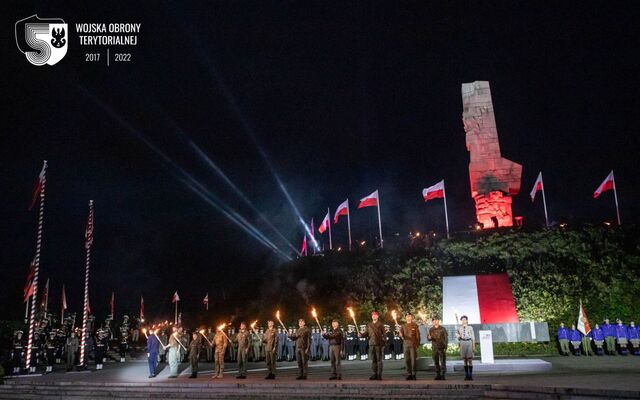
{"type": "Point", "coordinates": [509, 365]}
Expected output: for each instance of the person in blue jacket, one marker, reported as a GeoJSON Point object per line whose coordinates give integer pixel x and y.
{"type": "Point", "coordinates": [634, 337]}
{"type": "Point", "coordinates": [621, 337]}
{"type": "Point", "coordinates": [153, 345]}
{"type": "Point", "coordinates": [563, 339]}
{"type": "Point", "coordinates": [597, 335]}
{"type": "Point", "coordinates": [575, 336]}
{"type": "Point", "coordinates": [609, 337]}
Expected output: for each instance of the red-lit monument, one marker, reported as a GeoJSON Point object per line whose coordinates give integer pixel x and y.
{"type": "Point", "coordinates": [494, 179]}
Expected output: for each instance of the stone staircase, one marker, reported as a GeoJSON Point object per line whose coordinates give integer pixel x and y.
{"type": "Point", "coordinates": [23, 389]}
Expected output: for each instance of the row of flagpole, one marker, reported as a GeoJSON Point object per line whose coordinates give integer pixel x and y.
{"type": "Point", "coordinates": [434, 192]}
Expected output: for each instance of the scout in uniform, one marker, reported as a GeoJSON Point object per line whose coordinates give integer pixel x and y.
{"type": "Point", "coordinates": [563, 339]}
{"type": "Point", "coordinates": [439, 340]}
{"type": "Point", "coordinates": [302, 338]}
{"type": "Point", "coordinates": [335, 339]}
{"type": "Point", "coordinates": [194, 354]}
{"type": "Point", "coordinates": [467, 341]}
{"type": "Point", "coordinates": [621, 337]}
{"type": "Point", "coordinates": [242, 339]}
{"type": "Point", "coordinates": [586, 345]}
{"type": "Point", "coordinates": [609, 337]}
{"type": "Point", "coordinates": [270, 344]}
{"type": "Point", "coordinates": [597, 335]}
{"type": "Point", "coordinates": [410, 334]}
{"type": "Point", "coordinates": [220, 344]}
{"type": "Point", "coordinates": [375, 333]}
{"type": "Point", "coordinates": [634, 337]}
{"type": "Point", "coordinates": [575, 337]}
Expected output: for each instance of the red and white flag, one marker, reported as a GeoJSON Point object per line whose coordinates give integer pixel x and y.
{"type": "Point", "coordinates": [607, 184]}
{"type": "Point", "coordinates": [303, 250]}
{"type": "Point", "coordinates": [583, 322]}
{"type": "Point", "coordinates": [141, 308]}
{"type": "Point", "coordinates": [88, 234]}
{"type": "Point", "coordinates": [343, 209]}
{"type": "Point", "coordinates": [537, 186]}
{"type": "Point", "coordinates": [434, 192]}
{"type": "Point", "coordinates": [175, 297]}
{"type": "Point", "coordinates": [369, 201]}
{"type": "Point", "coordinates": [28, 287]}
{"type": "Point", "coordinates": [64, 299]}
{"type": "Point", "coordinates": [205, 301]}
{"type": "Point", "coordinates": [325, 224]}
{"type": "Point", "coordinates": [313, 237]}
{"type": "Point", "coordinates": [38, 188]}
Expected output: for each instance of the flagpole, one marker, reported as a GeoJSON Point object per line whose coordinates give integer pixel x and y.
{"type": "Point", "coordinates": [544, 202]}
{"type": "Point", "coordinates": [330, 243]}
{"type": "Point", "coordinates": [446, 214]}
{"type": "Point", "coordinates": [380, 221]}
{"type": "Point", "coordinates": [349, 223]}
{"type": "Point", "coordinates": [32, 316]}
{"type": "Point", "coordinates": [175, 318]}
{"type": "Point", "coordinates": [85, 312]}
{"type": "Point", "coordinates": [615, 197]}
{"type": "Point", "coordinates": [46, 299]}
{"type": "Point", "coordinates": [26, 311]}
{"type": "Point", "coordinates": [64, 295]}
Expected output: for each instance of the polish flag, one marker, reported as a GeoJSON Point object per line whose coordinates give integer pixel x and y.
{"type": "Point", "coordinates": [28, 287]}
{"type": "Point", "coordinates": [175, 297]}
{"type": "Point", "coordinates": [536, 186]}
{"type": "Point", "coordinates": [205, 301]}
{"type": "Point", "coordinates": [607, 184]}
{"type": "Point", "coordinates": [303, 250]}
{"type": "Point", "coordinates": [484, 299]}
{"type": "Point", "coordinates": [343, 209]}
{"type": "Point", "coordinates": [369, 201]}
{"type": "Point", "coordinates": [38, 188]}
{"type": "Point", "coordinates": [583, 322]}
{"type": "Point", "coordinates": [434, 192]}
{"type": "Point", "coordinates": [325, 224]}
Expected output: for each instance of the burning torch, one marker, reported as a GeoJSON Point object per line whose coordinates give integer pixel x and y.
{"type": "Point", "coordinates": [201, 331]}
{"type": "Point", "coordinates": [353, 316]}
{"type": "Point", "coordinates": [279, 320]}
{"type": "Point", "coordinates": [314, 314]}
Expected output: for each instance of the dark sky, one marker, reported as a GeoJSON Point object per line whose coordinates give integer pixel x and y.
{"type": "Point", "coordinates": [343, 97]}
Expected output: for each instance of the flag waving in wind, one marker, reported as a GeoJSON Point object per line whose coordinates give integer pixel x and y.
{"type": "Point", "coordinates": [343, 209]}
{"type": "Point", "coordinates": [38, 188]}
{"type": "Point", "coordinates": [324, 225]}
{"type": "Point", "coordinates": [369, 201]}
{"type": "Point", "coordinates": [608, 184]}
{"type": "Point", "coordinates": [303, 250]}
{"type": "Point", "coordinates": [537, 186]}
{"type": "Point", "coordinates": [434, 192]}
{"type": "Point", "coordinates": [205, 301]}
{"type": "Point", "coordinates": [175, 297]}
{"type": "Point", "coordinates": [28, 287]}
{"type": "Point", "coordinates": [583, 322]}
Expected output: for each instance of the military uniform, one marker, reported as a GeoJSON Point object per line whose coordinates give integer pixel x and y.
{"type": "Point", "coordinates": [324, 345]}
{"type": "Point", "coordinates": [398, 349]}
{"type": "Point", "coordinates": [302, 339]}
{"type": "Point", "coordinates": [17, 351]}
{"type": "Point", "coordinates": [194, 356]}
{"type": "Point", "coordinates": [315, 344]}
{"type": "Point", "coordinates": [291, 347]}
{"type": "Point", "coordinates": [282, 344]}
{"type": "Point", "coordinates": [335, 340]}
{"type": "Point", "coordinates": [270, 342]}
{"type": "Point", "coordinates": [242, 338]}
{"type": "Point", "coordinates": [363, 345]}
{"type": "Point", "coordinates": [256, 341]}
{"type": "Point", "coordinates": [208, 347]}
{"type": "Point", "coordinates": [375, 334]}
{"type": "Point", "coordinates": [220, 343]}
{"type": "Point", "coordinates": [388, 347]}
{"type": "Point", "coordinates": [101, 348]}
{"type": "Point", "coordinates": [73, 344]}
{"type": "Point", "coordinates": [351, 343]}
{"type": "Point", "coordinates": [439, 340]}
{"type": "Point", "coordinates": [410, 334]}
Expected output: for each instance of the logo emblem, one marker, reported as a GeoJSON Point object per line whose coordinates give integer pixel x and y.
{"type": "Point", "coordinates": [42, 40]}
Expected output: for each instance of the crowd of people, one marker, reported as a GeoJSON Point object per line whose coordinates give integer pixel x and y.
{"type": "Point", "coordinates": [610, 339]}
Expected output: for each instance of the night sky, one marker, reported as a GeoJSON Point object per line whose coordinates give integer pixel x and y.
{"type": "Point", "coordinates": [342, 97]}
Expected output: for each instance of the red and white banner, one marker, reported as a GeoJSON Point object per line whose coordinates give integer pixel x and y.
{"type": "Point", "coordinates": [325, 224]}
{"type": "Point", "coordinates": [343, 209]}
{"type": "Point", "coordinates": [28, 287]}
{"type": "Point", "coordinates": [303, 250]}
{"type": "Point", "coordinates": [434, 192]}
{"type": "Point", "coordinates": [38, 188]}
{"type": "Point", "coordinates": [537, 186]}
{"type": "Point", "coordinates": [369, 201]}
{"type": "Point", "coordinates": [484, 299]}
{"type": "Point", "coordinates": [205, 301]}
{"type": "Point", "coordinates": [583, 322]}
{"type": "Point", "coordinates": [175, 297]}
{"type": "Point", "coordinates": [607, 184]}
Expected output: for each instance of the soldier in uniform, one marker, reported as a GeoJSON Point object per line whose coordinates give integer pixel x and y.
{"type": "Point", "coordinates": [335, 339]}
{"type": "Point", "coordinates": [73, 344]}
{"type": "Point", "coordinates": [174, 352]}
{"type": "Point", "coordinates": [162, 351]}
{"type": "Point", "coordinates": [375, 333]}
{"type": "Point", "coordinates": [597, 335]}
{"type": "Point", "coordinates": [633, 334]}
{"type": "Point", "coordinates": [61, 339]}
{"type": "Point", "coordinates": [302, 338]}
{"type": "Point", "coordinates": [609, 337]}
{"type": "Point", "coordinates": [220, 344]}
{"type": "Point", "coordinates": [324, 345]}
{"type": "Point", "coordinates": [388, 347]}
{"type": "Point", "coordinates": [467, 341]}
{"type": "Point", "coordinates": [233, 347]}
{"type": "Point", "coordinates": [563, 339]}
{"type": "Point", "coordinates": [207, 346]}
{"type": "Point", "coordinates": [410, 334]}
{"type": "Point", "coordinates": [621, 337]}
{"type": "Point", "coordinates": [243, 341]}
{"type": "Point", "coordinates": [281, 344]}
{"type": "Point", "coordinates": [351, 342]}
{"type": "Point", "coordinates": [124, 342]}
{"type": "Point", "coordinates": [101, 348]}
{"type": "Point", "coordinates": [17, 351]}
{"type": "Point", "coordinates": [256, 341]}
{"type": "Point", "coordinates": [194, 354]}
{"type": "Point", "coordinates": [50, 350]}
{"type": "Point", "coordinates": [397, 344]}
{"type": "Point", "coordinates": [270, 342]}
{"type": "Point", "coordinates": [439, 340]}
{"type": "Point", "coordinates": [291, 346]}
{"type": "Point", "coordinates": [362, 345]}
{"type": "Point", "coordinates": [315, 343]}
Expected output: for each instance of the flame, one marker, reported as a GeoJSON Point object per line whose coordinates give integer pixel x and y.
{"type": "Point", "coordinates": [155, 332]}
{"type": "Point", "coordinates": [253, 324]}
{"type": "Point", "coordinates": [201, 331]}
{"type": "Point", "coordinates": [394, 315]}
{"type": "Point", "coordinates": [144, 330]}
{"type": "Point", "coordinates": [351, 313]}
{"type": "Point", "coordinates": [221, 327]}
{"type": "Point", "coordinates": [278, 315]}
{"type": "Point", "coordinates": [314, 314]}
{"type": "Point", "coordinates": [422, 316]}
